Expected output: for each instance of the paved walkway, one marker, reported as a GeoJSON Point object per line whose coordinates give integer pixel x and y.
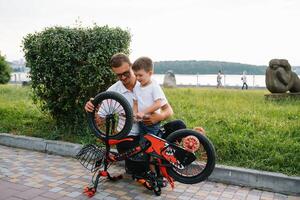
{"type": "Point", "coordinates": [38, 176]}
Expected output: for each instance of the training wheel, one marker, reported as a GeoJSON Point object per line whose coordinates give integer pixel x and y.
{"type": "Point", "coordinates": [191, 143]}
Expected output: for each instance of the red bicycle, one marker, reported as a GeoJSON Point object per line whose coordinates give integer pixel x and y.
{"type": "Point", "coordinates": [185, 155]}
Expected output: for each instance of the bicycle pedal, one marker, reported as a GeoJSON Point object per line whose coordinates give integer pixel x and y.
{"type": "Point", "coordinates": [89, 191]}
{"type": "Point", "coordinates": [86, 189]}
{"type": "Point", "coordinates": [90, 194]}
{"type": "Point", "coordinates": [145, 183]}
{"type": "Point", "coordinates": [103, 173]}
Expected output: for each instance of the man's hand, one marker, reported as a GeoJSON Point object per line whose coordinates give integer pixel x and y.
{"type": "Point", "coordinates": [200, 130]}
{"type": "Point", "coordinates": [89, 106]}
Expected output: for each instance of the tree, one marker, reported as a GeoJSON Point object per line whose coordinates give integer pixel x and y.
{"type": "Point", "coordinates": [206, 67]}
{"type": "Point", "coordinates": [5, 70]}
{"type": "Point", "coordinates": [70, 65]}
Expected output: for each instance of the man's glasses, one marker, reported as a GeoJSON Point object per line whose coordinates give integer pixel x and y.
{"type": "Point", "coordinates": [126, 74]}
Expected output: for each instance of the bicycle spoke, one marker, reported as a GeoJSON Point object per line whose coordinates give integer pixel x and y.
{"type": "Point", "coordinates": [104, 108]}
{"type": "Point", "coordinates": [121, 124]}
{"type": "Point", "coordinates": [116, 109]}
{"type": "Point", "coordinates": [110, 115]}
{"type": "Point", "coordinates": [109, 105]}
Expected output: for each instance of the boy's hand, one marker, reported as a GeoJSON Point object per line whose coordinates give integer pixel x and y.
{"type": "Point", "coordinates": [89, 106]}
{"type": "Point", "coordinates": [137, 117]}
{"type": "Point", "coordinates": [140, 115]}
{"type": "Point", "coordinates": [152, 119]}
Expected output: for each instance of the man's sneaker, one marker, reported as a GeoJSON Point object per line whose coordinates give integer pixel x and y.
{"type": "Point", "coordinates": [162, 182]}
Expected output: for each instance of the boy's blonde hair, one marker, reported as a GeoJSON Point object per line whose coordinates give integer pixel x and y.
{"type": "Point", "coordinates": [144, 63]}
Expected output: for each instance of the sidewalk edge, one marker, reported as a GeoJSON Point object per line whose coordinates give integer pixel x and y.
{"type": "Point", "coordinates": [275, 182]}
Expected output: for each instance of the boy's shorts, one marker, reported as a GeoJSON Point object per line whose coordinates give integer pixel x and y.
{"type": "Point", "coordinates": [152, 129]}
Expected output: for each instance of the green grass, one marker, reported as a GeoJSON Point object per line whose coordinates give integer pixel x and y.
{"type": "Point", "coordinates": [20, 116]}
{"type": "Point", "coordinates": [246, 130]}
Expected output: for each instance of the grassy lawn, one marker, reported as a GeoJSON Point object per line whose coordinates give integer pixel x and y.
{"type": "Point", "coordinates": [19, 116]}
{"type": "Point", "coordinates": [246, 130]}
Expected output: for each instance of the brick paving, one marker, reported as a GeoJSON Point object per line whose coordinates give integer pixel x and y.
{"type": "Point", "coordinates": [38, 176]}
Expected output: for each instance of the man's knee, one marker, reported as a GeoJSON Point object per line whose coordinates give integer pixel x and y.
{"type": "Point", "coordinates": [172, 126]}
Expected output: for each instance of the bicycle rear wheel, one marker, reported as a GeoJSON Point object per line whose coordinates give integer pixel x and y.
{"type": "Point", "coordinates": [112, 116]}
{"type": "Point", "coordinates": [201, 168]}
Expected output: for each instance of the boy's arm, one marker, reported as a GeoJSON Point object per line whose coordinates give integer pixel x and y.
{"type": "Point", "coordinates": [165, 112]}
{"type": "Point", "coordinates": [154, 107]}
{"type": "Point", "coordinates": [135, 107]}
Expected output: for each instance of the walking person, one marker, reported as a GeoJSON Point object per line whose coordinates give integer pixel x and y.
{"type": "Point", "coordinates": [219, 79]}
{"type": "Point", "coordinates": [244, 79]}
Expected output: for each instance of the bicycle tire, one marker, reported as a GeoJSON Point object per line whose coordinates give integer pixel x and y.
{"type": "Point", "coordinates": [209, 149]}
{"type": "Point", "coordinates": [119, 99]}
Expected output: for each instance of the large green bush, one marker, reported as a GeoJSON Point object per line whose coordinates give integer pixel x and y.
{"type": "Point", "coordinates": [70, 65]}
{"type": "Point", "coordinates": [4, 70]}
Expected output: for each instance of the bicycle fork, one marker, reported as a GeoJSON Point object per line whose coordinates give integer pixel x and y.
{"type": "Point", "coordinates": [92, 188]}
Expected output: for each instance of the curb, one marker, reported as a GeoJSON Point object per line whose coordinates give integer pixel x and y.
{"type": "Point", "coordinates": [269, 181]}
{"type": "Point", "coordinates": [39, 144]}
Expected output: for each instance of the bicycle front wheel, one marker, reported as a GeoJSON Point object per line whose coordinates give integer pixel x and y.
{"type": "Point", "coordinates": [112, 116]}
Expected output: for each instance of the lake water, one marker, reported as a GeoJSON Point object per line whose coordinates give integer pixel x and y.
{"type": "Point", "coordinates": [181, 79]}
{"type": "Point", "coordinates": [211, 80]}
{"type": "Point", "coordinates": [19, 77]}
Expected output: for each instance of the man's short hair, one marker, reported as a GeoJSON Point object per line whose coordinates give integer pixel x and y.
{"type": "Point", "coordinates": [144, 63]}
{"type": "Point", "coordinates": [118, 59]}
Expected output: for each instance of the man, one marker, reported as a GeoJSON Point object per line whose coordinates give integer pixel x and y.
{"type": "Point", "coordinates": [121, 66]}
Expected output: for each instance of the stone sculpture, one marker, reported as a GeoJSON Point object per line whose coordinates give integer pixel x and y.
{"type": "Point", "coordinates": [169, 79]}
{"type": "Point", "coordinates": [280, 78]}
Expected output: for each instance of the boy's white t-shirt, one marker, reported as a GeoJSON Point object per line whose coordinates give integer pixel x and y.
{"type": "Point", "coordinates": [146, 96]}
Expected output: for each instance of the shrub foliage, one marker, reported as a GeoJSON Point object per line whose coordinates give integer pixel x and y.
{"type": "Point", "coordinates": [70, 65]}
{"type": "Point", "coordinates": [4, 70]}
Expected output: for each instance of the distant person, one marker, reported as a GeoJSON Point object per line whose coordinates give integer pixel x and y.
{"type": "Point", "coordinates": [219, 79]}
{"type": "Point", "coordinates": [244, 79]}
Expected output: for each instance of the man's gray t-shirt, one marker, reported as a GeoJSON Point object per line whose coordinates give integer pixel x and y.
{"type": "Point", "coordinates": [129, 95]}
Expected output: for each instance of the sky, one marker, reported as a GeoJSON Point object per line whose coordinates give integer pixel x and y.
{"type": "Point", "coordinates": [245, 31]}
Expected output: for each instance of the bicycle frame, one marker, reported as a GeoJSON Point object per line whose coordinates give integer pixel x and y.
{"type": "Point", "coordinates": [167, 155]}
{"type": "Point", "coordinates": [156, 147]}
{"type": "Point", "coordinates": [173, 158]}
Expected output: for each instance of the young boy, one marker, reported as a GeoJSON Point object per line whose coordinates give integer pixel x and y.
{"type": "Point", "coordinates": [149, 97]}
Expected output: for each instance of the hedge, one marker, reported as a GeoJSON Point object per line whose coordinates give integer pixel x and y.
{"type": "Point", "coordinates": [70, 65]}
